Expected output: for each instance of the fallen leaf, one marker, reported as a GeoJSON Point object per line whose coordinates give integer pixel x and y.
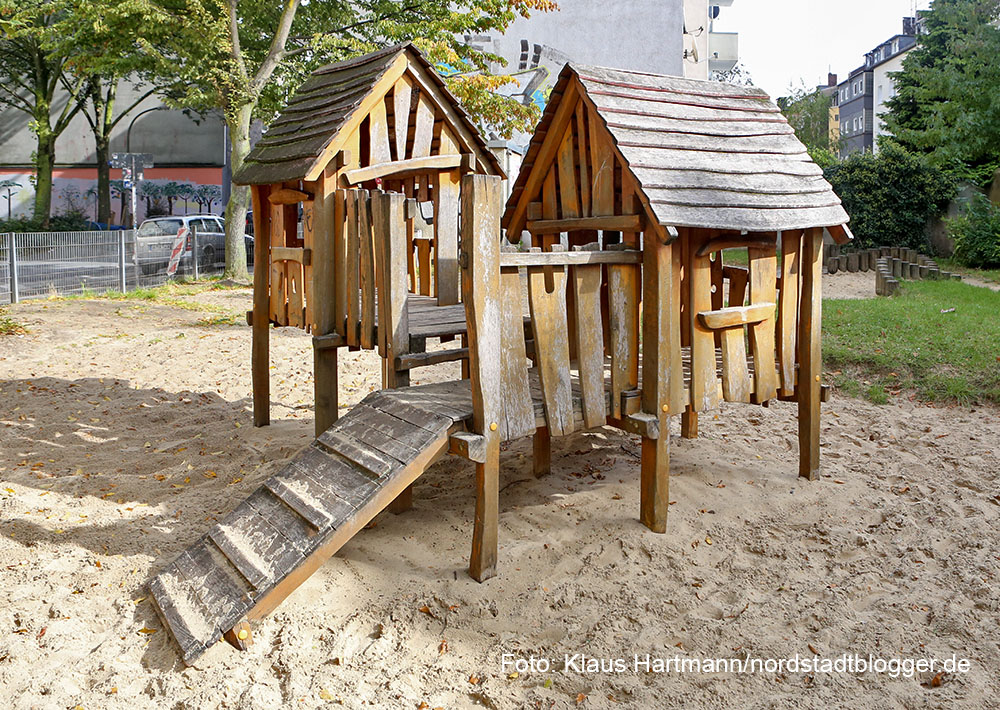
{"type": "Point", "coordinates": [325, 694]}
{"type": "Point", "coordinates": [936, 680]}
{"type": "Point", "coordinates": [580, 698]}
{"type": "Point", "coordinates": [513, 675]}
{"type": "Point", "coordinates": [443, 647]}
{"type": "Point", "coordinates": [813, 649]}
{"type": "Point", "coordinates": [708, 540]}
{"type": "Point", "coordinates": [474, 679]}
{"type": "Point", "coordinates": [147, 630]}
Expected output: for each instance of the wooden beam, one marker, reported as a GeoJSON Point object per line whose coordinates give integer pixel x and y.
{"type": "Point", "coordinates": [402, 168]}
{"type": "Point", "coordinates": [734, 241]}
{"type": "Point", "coordinates": [287, 196]}
{"type": "Point", "coordinates": [570, 258]}
{"type": "Point", "coordinates": [468, 446]}
{"type": "Point", "coordinates": [736, 316]}
{"type": "Point", "coordinates": [810, 353]}
{"type": "Point", "coordinates": [411, 360]}
{"type": "Point", "coordinates": [301, 255]}
{"type": "Point", "coordinates": [841, 234]}
{"type": "Point", "coordinates": [259, 359]}
{"type": "Point", "coordinates": [618, 223]}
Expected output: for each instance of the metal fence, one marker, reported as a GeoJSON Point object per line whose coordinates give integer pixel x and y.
{"type": "Point", "coordinates": [43, 264]}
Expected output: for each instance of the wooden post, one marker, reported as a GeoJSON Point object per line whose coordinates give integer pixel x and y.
{"type": "Point", "coordinates": [390, 236]}
{"type": "Point", "coordinates": [810, 353]}
{"type": "Point", "coordinates": [661, 354]}
{"type": "Point", "coordinates": [328, 205]}
{"type": "Point", "coordinates": [446, 199]}
{"type": "Point", "coordinates": [481, 294]}
{"type": "Point", "coordinates": [541, 452]}
{"type": "Point", "coordinates": [259, 358]}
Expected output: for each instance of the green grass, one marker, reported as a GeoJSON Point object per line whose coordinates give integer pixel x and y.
{"type": "Point", "coordinates": [735, 257]}
{"type": "Point", "coordinates": [169, 294]}
{"type": "Point", "coordinates": [884, 346]}
{"type": "Point", "coordinates": [9, 326]}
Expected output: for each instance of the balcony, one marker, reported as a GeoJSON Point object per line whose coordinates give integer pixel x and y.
{"type": "Point", "coordinates": [723, 50]}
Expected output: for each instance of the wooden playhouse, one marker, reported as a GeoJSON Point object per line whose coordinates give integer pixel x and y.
{"type": "Point", "coordinates": [634, 190]}
{"type": "Point", "coordinates": [384, 120]}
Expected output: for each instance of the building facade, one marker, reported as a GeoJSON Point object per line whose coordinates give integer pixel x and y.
{"type": "Point", "coordinates": [705, 50]}
{"type": "Point", "coordinates": [861, 99]}
{"type": "Point", "coordinates": [185, 149]}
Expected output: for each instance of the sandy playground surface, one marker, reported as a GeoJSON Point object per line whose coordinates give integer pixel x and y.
{"type": "Point", "coordinates": [125, 432]}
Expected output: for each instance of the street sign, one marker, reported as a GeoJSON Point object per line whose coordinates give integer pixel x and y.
{"type": "Point", "coordinates": [131, 165]}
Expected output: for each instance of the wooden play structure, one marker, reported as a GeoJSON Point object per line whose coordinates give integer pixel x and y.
{"type": "Point", "coordinates": [384, 120]}
{"type": "Point", "coordinates": [634, 190]}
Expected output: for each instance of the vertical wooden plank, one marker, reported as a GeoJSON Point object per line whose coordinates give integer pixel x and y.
{"type": "Point", "coordinates": [738, 287]}
{"type": "Point", "coordinates": [348, 158]}
{"type": "Point", "coordinates": [518, 415]}
{"type": "Point", "coordinates": [602, 168]}
{"type": "Point", "coordinates": [623, 328]}
{"type": "Point", "coordinates": [568, 198]}
{"type": "Point", "coordinates": [704, 381]}
{"type": "Point", "coordinates": [788, 302]}
{"type": "Point", "coordinates": [279, 298]}
{"type": "Point", "coordinates": [548, 322]}
{"type": "Point", "coordinates": [353, 266]}
{"type": "Point", "coordinates": [326, 232]}
{"type": "Point", "coordinates": [309, 242]}
{"type": "Point", "coordinates": [661, 334]}
{"type": "Point", "coordinates": [261, 319]}
{"type": "Point", "coordinates": [735, 377]}
{"type": "Point", "coordinates": [423, 129]}
{"type": "Point", "coordinates": [446, 197]}
{"type": "Point", "coordinates": [387, 213]}
{"type": "Point", "coordinates": [589, 341]}
{"type": "Point", "coordinates": [410, 211]}
{"type": "Point", "coordinates": [366, 280]}
{"type": "Point", "coordinates": [401, 113]}
{"type": "Point", "coordinates": [584, 159]}
{"type": "Point", "coordinates": [541, 452]}
{"type": "Point", "coordinates": [378, 131]}
{"type": "Point", "coordinates": [810, 353]}
{"type": "Point", "coordinates": [481, 291]}
{"type": "Point", "coordinates": [763, 289]}
{"type": "Point", "coordinates": [718, 285]}
{"type": "Point", "coordinates": [292, 269]}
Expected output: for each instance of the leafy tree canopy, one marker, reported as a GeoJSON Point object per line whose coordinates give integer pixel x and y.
{"type": "Point", "coordinates": [808, 112]}
{"type": "Point", "coordinates": [947, 104]}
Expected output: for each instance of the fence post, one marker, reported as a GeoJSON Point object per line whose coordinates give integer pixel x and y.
{"type": "Point", "coordinates": [122, 286]}
{"type": "Point", "coordinates": [12, 256]}
{"type": "Point", "coordinates": [194, 250]}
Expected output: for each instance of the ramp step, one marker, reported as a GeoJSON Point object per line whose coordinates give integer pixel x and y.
{"type": "Point", "coordinates": [221, 595]}
{"type": "Point", "coordinates": [404, 432]}
{"type": "Point", "coordinates": [336, 475]}
{"type": "Point", "coordinates": [296, 495]}
{"type": "Point", "coordinates": [350, 448]}
{"type": "Point", "coordinates": [232, 543]}
{"type": "Point", "coordinates": [364, 430]}
{"type": "Point", "coordinates": [432, 422]}
{"type": "Point", "coordinates": [180, 608]}
{"type": "Point", "coordinates": [281, 516]}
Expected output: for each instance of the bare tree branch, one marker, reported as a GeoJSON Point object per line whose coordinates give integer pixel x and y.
{"type": "Point", "coordinates": [277, 50]}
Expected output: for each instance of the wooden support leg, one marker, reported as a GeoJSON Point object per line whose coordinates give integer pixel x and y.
{"type": "Point", "coordinates": [260, 372]}
{"type": "Point", "coordinates": [654, 493]}
{"type": "Point", "coordinates": [325, 387]}
{"type": "Point", "coordinates": [541, 445]}
{"type": "Point", "coordinates": [810, 356]}
{"type": "Point", "coordinates": [240, 636]}
{"type": "Point", "coordinates": [483, 564]}
{"type": "Point", "coordinates": [465, 362]}
{"type": "Point", "coordinates": [689, 424]}
{"type": "Point", "coordinates": [403, 502]}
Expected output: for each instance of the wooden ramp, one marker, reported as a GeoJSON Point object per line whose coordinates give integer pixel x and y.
{"type": "Point", "coordinates": [258, 554]}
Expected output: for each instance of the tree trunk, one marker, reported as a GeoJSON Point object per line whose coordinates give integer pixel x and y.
{"type": "Point", "coordinates": [103, 179]}
{"type": "Point", "coordinates": [239, 197]}
{"type": "Point", "coordinates": [45, 158]}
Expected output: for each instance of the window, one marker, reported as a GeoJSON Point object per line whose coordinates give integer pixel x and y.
{"type": "Point", "coordinates": [861, 84]}
{"type": "Point", "coordinates": [895, 46]}
{"type": "Point", "coordinates": [880, 93]}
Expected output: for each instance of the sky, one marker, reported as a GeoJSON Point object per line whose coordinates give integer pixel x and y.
{"type": "Point", "coordinates": [785, 42]}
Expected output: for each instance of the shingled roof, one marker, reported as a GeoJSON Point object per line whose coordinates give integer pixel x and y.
{"type": "Point", "coordinates": [299, 142]}
{"type": "Point", "coordinates": [704, 154]}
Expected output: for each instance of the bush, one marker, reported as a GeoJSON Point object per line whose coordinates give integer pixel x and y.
{"type": "Point", "coordinates": [57, 223]}
{"type": "Point", "coordinates": [977, 234]}
{"type": "Point", "coordinates": [890, 196]}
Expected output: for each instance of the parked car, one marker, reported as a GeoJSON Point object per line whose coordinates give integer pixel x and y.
{"type": "Point", "coordinates": [155, 240]}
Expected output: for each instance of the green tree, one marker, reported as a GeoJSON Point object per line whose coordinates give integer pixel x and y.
{"type": "Point", "coordinates": [244, 58]}
{"type": "Point", "coordinates": [947, 102]}
{"type": "Point", "coordinates": [10, 187]}
{"type": "Point", "coordinates": [34, 80]}
{"type": "Point", "coordinates": [738, 75]}
{"type": "Point", "coordinates": [808, 112]}
{"type": "Point", "coordinates": [890, 196]}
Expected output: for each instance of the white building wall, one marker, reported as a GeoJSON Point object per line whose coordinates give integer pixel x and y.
{"type": "Point", "coordinates": [883, 90]}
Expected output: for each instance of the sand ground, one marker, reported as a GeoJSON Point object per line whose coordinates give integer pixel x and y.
{"type": "Point", "coordinates": [125, 432]}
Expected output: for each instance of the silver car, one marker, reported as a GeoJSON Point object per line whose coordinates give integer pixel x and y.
{"type": "Point", "coordinates": [155, 240]}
